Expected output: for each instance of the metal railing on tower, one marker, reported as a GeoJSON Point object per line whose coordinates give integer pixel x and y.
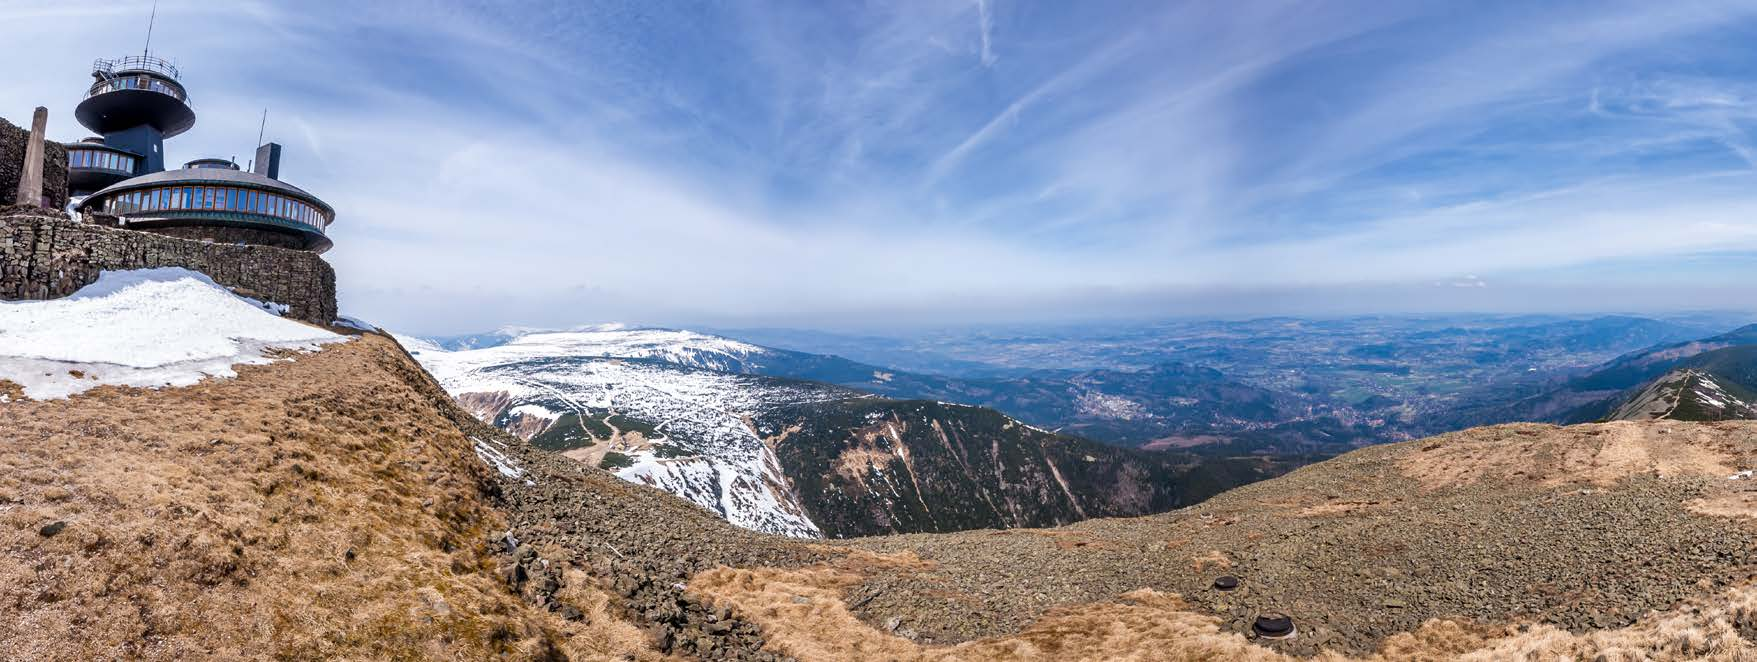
{"type": "Point", "coordinates": [105, 69]}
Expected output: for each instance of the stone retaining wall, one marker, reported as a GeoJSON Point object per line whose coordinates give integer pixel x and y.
{"type": "Point", "coordinates": [46, 257]}
{"type": "Point", "coordinates": [12, 145]}
{"type": "Point", "coordinates": [229, 235]}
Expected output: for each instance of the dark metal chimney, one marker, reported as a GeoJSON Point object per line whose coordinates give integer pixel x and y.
{"type": "Point", "coordinates": [268, 160]}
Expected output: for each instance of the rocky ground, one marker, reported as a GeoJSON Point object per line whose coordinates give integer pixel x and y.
{"type": "Point", "coordinates": [1586, 527]}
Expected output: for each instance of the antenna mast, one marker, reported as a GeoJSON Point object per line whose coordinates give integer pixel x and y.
{"type": "Point", "coordinates": [264, 128]}
{"type": "Point", "coordinates": [147, 52]}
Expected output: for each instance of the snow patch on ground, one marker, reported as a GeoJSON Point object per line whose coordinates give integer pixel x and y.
{"type": "Point", "coordinates": [355, 323]}
{"type": "Point", "coordinates": [494, 455]}
{"type": "Point", "coordinates": [534, 411]}
{"type": "Point", "coordinates": [148, 328]}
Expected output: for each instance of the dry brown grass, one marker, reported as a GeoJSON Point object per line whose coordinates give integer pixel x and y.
{"type": "Point", "coordinates": [314, 509]}
{"type": "Point", "coordinates": [1338, 508]}
{"type": "Point", "coordinates": [1213, 559]}
{"type": "Point", "coordinates": [803, 614]}
{"type": "Point", "coordinates": [601, 632]}
{"type": "Point", "coordinates": [1734, 504]}
{"type": "Point", "coordinates": [1598, 454]}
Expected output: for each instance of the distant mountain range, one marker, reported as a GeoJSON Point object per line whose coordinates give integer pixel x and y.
{"type": "Point", "coordinates": [695, 415]}
{"type": "Point", "coordinates": [1169, 405]}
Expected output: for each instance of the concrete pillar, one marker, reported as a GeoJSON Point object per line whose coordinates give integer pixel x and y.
{"type": "Point", "coordinates": [30, 181]}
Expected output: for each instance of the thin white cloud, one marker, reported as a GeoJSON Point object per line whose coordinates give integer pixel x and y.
{"type": "Point", "coordinates": [571, 163]}
{"type": "Point", "coordinates": [985, 23]}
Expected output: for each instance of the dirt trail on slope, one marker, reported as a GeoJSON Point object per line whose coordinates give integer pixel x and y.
{"type": "Point", "coordinates": [317, 508]}
{"type": "Point", "coordinates": [1564, 542]}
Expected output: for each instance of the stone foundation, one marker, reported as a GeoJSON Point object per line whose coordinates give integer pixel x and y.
{"type": "Point", "coordinates": [12, 145]}
{"type": "Point", "coordinates": [227, 235]}
{"type": "Point", "coordinates": [43, 256]}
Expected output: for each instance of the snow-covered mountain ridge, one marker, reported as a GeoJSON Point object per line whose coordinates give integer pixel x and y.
{"type": "Point", "coordinates": [685, 348]}
{"type": "Point", "coordinates": [583, 376]}
{"type": "Point", "coordinates": [678, 410]}
{"type": "Point", "coordinates": [653, 405]}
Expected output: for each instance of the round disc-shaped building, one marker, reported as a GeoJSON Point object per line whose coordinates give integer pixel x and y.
{"type": "Point", "coordinates": [93, 165]}
{"type": "Point", "coordinates": [211, 200]}
{"type": "Point", "coordinates": [136, 91]}
{"type": "Point", "coordinates": [138, 102]}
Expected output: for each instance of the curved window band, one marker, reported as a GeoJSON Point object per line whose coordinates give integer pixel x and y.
{"type": "Point", "coordinates": [136, 83]}
{"type": "Point", "coordinates": [216, 198]}
{"type": "Point", "coordinates": [91, 159]}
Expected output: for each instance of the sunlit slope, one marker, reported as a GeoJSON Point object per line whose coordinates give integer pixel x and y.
{"type": "Point", "coordinates": [321, 507]}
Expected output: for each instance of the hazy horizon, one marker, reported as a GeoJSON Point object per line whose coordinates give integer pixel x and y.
{"type": "Point", "coordinates": [988, 162]}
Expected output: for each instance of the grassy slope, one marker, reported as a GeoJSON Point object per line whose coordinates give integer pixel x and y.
{"type": "Point", "coordinates": [314, 509]}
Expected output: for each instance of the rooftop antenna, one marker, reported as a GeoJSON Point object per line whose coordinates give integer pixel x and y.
{"type": "Point", "coordinates": [260, 131]}
{"type": "Point", "coordinates": [146, 52]}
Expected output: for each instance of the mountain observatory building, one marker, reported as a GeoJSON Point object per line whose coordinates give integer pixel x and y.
{"type": "Point", "coordinates": [135, 104]}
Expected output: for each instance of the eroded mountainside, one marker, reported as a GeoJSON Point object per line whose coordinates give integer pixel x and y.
{"type": "Point", "coordinates": [874, 466]}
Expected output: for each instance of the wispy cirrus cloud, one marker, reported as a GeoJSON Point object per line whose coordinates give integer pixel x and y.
{"type": "Point", "coordinates": [554, 162]}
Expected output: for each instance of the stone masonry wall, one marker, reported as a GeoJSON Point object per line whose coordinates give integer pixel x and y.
{"type": "Point", "coordinates": [12, 144]}
{"type": "Point", "coordinates": [46, 257]}
{"type": "Point", "coordinates": [228, 235]}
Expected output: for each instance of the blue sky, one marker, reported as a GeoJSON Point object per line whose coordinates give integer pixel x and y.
{"type": "Point", "coordinates": [868, 164]}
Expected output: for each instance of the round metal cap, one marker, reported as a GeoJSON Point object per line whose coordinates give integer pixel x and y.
{"type": "Point", "coordinates": [1273, 626]}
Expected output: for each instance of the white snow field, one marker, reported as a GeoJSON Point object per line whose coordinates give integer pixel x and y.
{"type": "Point", "coordinates": [149, 328]}
{"type": "Point", "coordinates": [666, 377]}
